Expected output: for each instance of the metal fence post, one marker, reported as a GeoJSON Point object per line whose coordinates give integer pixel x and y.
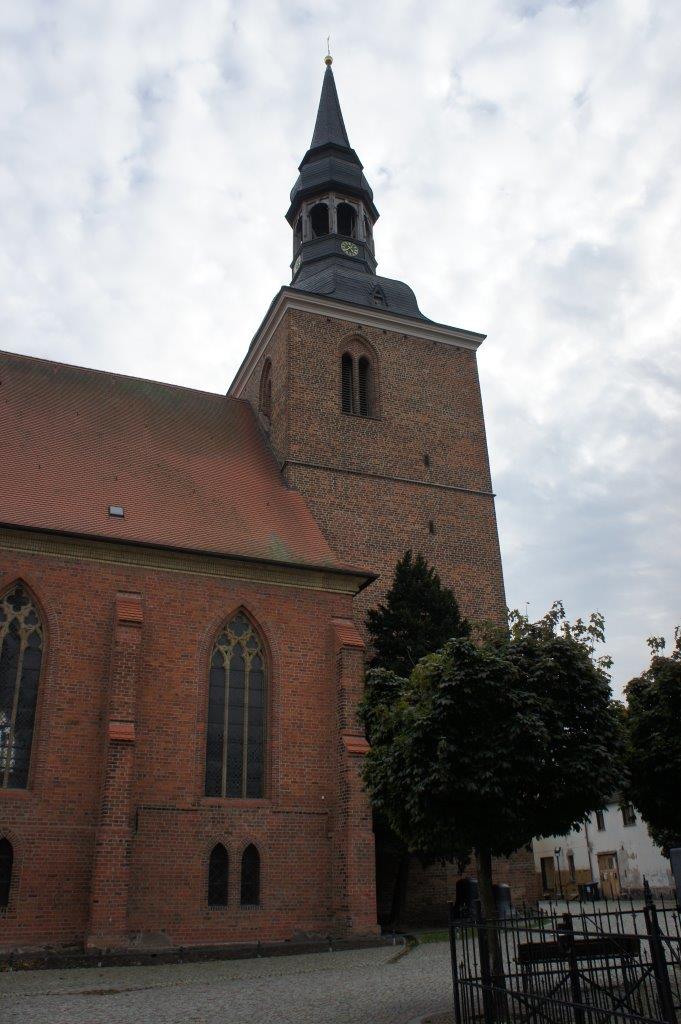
{"type": "Point", "coordinates": [567, 935]}
{"type": "Point", "coordinates": [455, 968]}
{"type": "Point", "coordinates": [658, 957]}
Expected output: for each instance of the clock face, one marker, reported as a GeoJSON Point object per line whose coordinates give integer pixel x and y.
{"type": "Point", "coordinates": [349, 248]}
{"type": "Point", "coordinates": [296, 265]}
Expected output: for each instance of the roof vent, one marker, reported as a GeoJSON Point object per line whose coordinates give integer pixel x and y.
{"type": "Point", "coordinates": [116, 511]}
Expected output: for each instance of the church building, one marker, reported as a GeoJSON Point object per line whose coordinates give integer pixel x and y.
{"type": "Point", "coordinates": [184, 579]}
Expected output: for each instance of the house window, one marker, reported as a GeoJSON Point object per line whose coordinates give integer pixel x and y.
{"type": "Point", "coordinates": [218, 876]}
{"type": "Point", "coordinates": [628, 815]}
{"type": "Point", "coordinates": [21, 652]}
{"type": "Point", "coordinates": [6, 860]}
{"type": "Point", "coordinates": [347, 383]}
{"type": "Point", "coordinates": [265, 396]}
{"type": "Point", "coordinates": [235, 742]}
{"type": "Point", "coordinates": [600, 821]}
{"type": "Point", "coordinates": [250, 877]}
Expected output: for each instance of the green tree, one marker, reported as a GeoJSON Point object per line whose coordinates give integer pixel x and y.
{"type": "Point", "coordinates": [654, 743]}
{"type": "Point", "coordinates": [486, 745]}
{"type": "Point", "coordinates": [417, 617]}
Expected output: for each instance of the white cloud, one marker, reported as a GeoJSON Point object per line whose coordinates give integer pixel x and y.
{"type": "Point", "coordinates": [524, 157]}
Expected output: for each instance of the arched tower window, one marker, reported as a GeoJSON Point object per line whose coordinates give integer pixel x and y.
{"type": "Point", "coordinates": [265, 398]}
{"type": "Point", "coordinates": [346, 218]}
{"type": "Point", "coordinates": [218, 876]}
{"type": "Point", "coordinates": [298, 234]}
{"type": "Point", "coordinates": [6, 861]}
{"type": "Point", "coordinates": [347, 383]}
{"type": "Point", "coordinates": [364, 386]}
{"type": "Point", "coordinates": [21, 652]}
{"type": "Point", "coordinates": [235, 743]}
{"type": "Point", "coordinates": [319, 220]}
{"type": "Point", "coordinates": [250, 877]}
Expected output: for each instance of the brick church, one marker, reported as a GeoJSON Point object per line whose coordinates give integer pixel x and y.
{"type": "Point", "coordinates": [184, 578]}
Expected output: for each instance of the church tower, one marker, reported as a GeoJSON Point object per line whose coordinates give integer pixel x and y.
{"type": "Point", "coordinates": [373, 410]}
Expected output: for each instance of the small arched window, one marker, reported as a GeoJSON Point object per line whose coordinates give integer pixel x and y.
{"type": "Point", "coordinates": [346, 219]}
{"type": "Point", "coordinates": [6, 861]}
{"type": "Point", "coordinates": [347, 383]}
{"type": "Point", "coordinates": [319, 220]}
{"type": "Point", "coordinates": [235, 741]}
{"type": "Point", "coordinates": [218, 876]}
{"type": "Point", "coordinates": [250, 877]}
{"type": "Point", "coordinates": [265, 398]}
{"type": "Point", "coordinates": [364, 386]}
{"type": "Point", "coordinates": [21, 652]}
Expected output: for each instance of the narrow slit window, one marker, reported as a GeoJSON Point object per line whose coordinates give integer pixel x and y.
{"type": "Point", "coordinates": [347, 384]}
{"type": "Point", "coordinates": [266, 390]}
{"type": "Point", "coordinates": [250, 877]}
{"type": "Point", "coordinates": [364, 386]}
{"type": "Point", "coordinates": [21, 652]}
{"type": "Point", "coordinates": [235, 740]}
{"type": "Point", "coordinates": [218, 876]}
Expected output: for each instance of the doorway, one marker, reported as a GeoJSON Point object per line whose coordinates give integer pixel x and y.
{"type": "Point", "coordinates": [548, 874]}
{"type": "Point", "coordinates": [609, 875]}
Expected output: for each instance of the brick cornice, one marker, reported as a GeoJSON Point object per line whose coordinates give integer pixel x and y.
{"type": "Point", "coordinates": [64, 546]}
{"type": "Point", "coordinates": [291, 299]}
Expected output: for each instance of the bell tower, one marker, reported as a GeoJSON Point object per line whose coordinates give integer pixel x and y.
{"type": "Point", "coordinates": [373, 410]}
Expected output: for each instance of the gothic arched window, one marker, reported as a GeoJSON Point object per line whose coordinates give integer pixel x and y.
{"type": "Point", "coordinates": [21, 652]}
{"type": "Point", "coordinates": [250, 877]}
{"type": "Point", "coordinates": [265, 399]}
{"type": "Point", "coordinates": [6, 860]}
{"type": "Point", "coordinates": [235, 742]}
{"type": "Point", "coordinates": [218, 876]}
{"type": "Point", "coordinates": [347, 383]}
{"type": "Point", "coordinates": [319, 220]}
{"type": "Point", "coordinates": [346, 219]}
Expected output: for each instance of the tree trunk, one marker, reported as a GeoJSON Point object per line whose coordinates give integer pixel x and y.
{"type": "Point", "coordinates": [399, 900]}
{"type": "Point", "coordinates": [497, 1003]}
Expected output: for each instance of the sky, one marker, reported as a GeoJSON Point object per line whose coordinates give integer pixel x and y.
{"type": "Point", "coordinates": [525, 160]}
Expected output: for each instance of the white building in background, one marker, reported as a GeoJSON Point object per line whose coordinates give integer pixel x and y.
{"type": "Point", "coordinates": [613, 848]}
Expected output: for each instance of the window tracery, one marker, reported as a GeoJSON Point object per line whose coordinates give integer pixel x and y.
{"type": "Point", "coordinates": [235, 743]}
{"type": "Point", "coordinates": [21, 652]}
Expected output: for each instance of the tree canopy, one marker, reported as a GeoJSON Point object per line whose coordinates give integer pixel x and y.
{"type": "Point", "coordinates": [485, 745]}
{"type": "Point", "coordinates": [653, 721]}
{"type": "Point", "coordinates": [417, 617]}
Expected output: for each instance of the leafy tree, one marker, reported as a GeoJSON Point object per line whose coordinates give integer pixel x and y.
{"type": "Point", "coordinates": [417, 617]}
{"type": "Point", "coordinates": [486, 745]}
{"type": "Point", "coordinates": [654, 743]}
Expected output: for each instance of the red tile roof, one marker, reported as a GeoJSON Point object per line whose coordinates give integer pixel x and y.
{"type": "Point", "coordinates": [190, 469]}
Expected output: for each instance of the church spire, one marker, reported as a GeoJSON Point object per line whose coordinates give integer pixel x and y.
{"type": "Point", "coordinates": [332, 210]}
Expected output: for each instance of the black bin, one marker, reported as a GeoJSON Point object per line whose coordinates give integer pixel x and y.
{"type": "Point", "coordinates": [589, 891]}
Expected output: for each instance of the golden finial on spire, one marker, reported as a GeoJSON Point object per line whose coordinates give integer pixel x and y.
{"type": "Point", "coordinates": [328, 60]}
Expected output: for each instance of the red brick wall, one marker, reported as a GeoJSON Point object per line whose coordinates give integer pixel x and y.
{"type": "Point", "coordinates": [170, 825]}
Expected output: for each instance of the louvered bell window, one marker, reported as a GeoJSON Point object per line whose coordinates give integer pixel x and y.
{"type": "Point", "coordinates": [347, 384]}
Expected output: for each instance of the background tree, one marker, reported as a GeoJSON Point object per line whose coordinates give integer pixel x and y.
{"type": "Point", "coordinates": [485, 746]}
{"type": "Point", "coordinates": [416, 618]}
{"type": "Point", "coordinates": [654, 743]}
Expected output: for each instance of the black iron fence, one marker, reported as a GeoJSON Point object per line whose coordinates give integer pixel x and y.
{"type": "Point", "coordinates": [569, 963]}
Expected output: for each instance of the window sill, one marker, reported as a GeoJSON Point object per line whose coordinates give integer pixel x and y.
{"type": "Point", "coordinates": [237, 801]}
{"type": "Point", "coordinates": [360, 416]}
{"type": "Point", "coordinates": [23, 794]}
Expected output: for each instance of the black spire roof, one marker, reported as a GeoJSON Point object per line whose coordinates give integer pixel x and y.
{"type": "Point", "coordinates": [337, 258]}
{"type": "Point", "coordinates": [329, 126]}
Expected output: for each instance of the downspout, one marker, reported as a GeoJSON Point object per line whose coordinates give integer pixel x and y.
{"type": "Point", "coordinates": [588, 850]}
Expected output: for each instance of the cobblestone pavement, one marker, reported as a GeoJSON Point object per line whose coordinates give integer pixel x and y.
{"type": "Point", "coordinates": [369, 986]}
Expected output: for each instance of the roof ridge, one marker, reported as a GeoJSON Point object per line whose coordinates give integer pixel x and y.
{"type": "Point", "coordinates": [115, 373]}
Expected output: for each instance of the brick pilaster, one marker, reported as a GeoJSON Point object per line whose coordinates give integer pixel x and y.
{"type": "Point", "coordinates": [354, 888]}
{"type": "Point", "coordinates": [111, 868]}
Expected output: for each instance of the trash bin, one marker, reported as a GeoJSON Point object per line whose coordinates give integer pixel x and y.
{"type": "Point", "coordinates": [502, 899]}
{"type": "Point", "coordinates": [589, 891]}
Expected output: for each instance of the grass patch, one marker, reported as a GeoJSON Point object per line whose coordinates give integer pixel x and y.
{"type": "Point", "coordinates": [441, 935]}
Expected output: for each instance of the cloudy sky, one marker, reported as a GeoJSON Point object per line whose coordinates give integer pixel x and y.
{"type": "Point", "coordinates": [525, 159]}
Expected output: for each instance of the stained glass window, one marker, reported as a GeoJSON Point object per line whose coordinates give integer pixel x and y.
{"type": "Point", "coordinates": [235, 743]}
{"type": "Point", "coordinates": [250, 877]}
{"type": "Point", "coordinates": [218, 876]}
{"type": "Point", "coordinates": [21, 652]}
{"type": "Point", "coordinates": [6, 859]}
